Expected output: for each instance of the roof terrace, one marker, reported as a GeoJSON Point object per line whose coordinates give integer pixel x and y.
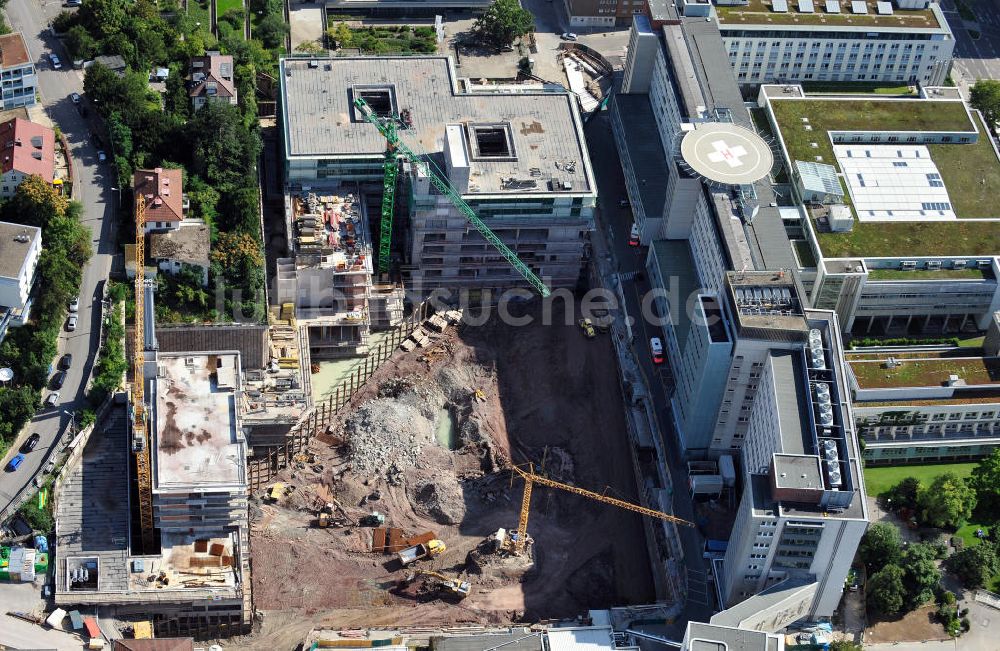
{"type": "Point", "coordinates": [970, 172]}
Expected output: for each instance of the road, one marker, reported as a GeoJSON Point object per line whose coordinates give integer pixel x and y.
{"type": "Point", "coordinates": [93, 190]}
{"type": "Point", "coordinates": [977, 58]}
{"type": "Point", "coordinates": [614, 223]}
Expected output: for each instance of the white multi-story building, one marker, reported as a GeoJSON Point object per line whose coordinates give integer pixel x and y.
{"type": "Point", "coordinates": [518, 159]}
{"type": "Point", "coordinates": [836, 41]}
{"type": "Point", "coordinates": [18, 77]}
{"type": "Point", "coordinates": [20, 248]}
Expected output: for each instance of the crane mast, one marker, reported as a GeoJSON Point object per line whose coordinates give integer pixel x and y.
{"type": "Point", "coordinates": [396, 146]}
{"type": "Point", "coordinates": [140, 434]}
{"type": "Point", "coordinates": [530, 478]}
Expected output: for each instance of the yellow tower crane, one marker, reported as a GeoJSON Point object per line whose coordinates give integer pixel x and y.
{"type": "Point", "coordinates": [530, 478]}
{"type": "Point", "coordinates": [140, 435]}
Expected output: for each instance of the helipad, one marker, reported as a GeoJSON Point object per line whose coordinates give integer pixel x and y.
{"type": "Point", "coordinates": [726, 153]}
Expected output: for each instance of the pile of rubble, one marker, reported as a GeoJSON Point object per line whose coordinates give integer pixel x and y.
{"type": "Point", "coordinates": [427, 332]}
{"type": "Point", "coordinates": [385, 436]}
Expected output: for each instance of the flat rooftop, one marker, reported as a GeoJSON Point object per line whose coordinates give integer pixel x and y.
{"type": "Point", "coordinates": [197, 439]}
{"type": "Point", "coordinates": [15, 242]}
{"type": "Point", "coordinates": [710, 637]}
{"type": "Point", "coordinates": [766, 299]}
{"type": "Point", "coordinates": [825, 15]}
{"type": "Point", "coordinates": [793, 406]}
{"type": "Point", "coordinates": [531, 137]}
{"type": "Point", "coordinates": [970, 172]}
{"type": "Point", "coordinates": [926, 372]}
{"type": "Point", "coordinates": [188, 561]}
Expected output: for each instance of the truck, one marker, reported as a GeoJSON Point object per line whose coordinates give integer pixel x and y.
{"type": "Point", "coordinates": [423, 550]}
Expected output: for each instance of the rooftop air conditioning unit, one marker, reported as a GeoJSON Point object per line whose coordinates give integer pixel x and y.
{"type": "Point", "coordinates": [908, 264]}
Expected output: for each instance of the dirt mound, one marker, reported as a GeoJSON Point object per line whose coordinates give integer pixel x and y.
{"type": "Point", "coordinates": [440, 498]}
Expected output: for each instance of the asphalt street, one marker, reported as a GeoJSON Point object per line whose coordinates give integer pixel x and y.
{"type": "Point", "coordinates": [614, 222]}
{"type": "Point", "coordinates": [974, 58]}
{"type": "Point", "coordinates": [93, 189]}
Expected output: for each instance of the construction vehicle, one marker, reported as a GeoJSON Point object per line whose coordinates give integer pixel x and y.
{"type": "Point", "coordinates": [420, 551]}
{"type": "Point", "coordinates": [373, 519]}
{"type": "Point", "coordinates": [516, 542]}
{"type": "Point", "coordinates": [587, 327]}
{"type": "Point", "coordinates": [389, 127]}
{"type": "Point", "coordinates": [452, 587]}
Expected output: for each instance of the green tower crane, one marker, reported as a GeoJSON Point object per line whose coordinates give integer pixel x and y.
{"type": "Point", "coordinates": [396, 147]}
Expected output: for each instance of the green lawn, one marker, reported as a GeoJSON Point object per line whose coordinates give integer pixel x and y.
{"type": "Point", "coordinates": [855, 88]}
{"type": "Point", "coordinates": [759, 12]}
{"type": "Point", "coordinates": [201, 13]}
{"type": "Point", "coordinates": [972, 175]}
{"type": "Point", "coordinates": [880, 479]}
{"type": "Point", "coordinates": [968, 533]}
{"type": "Point", "coordinates": [223, 6]}
{"type": "Point", "coordinates": [927, 274]}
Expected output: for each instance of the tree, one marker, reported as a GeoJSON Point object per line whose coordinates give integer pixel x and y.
{"type": "Point", "coordinates": [880, 546]}
{"type": "Point", "coordinates": [985, 479]}
{"type": "Point", "coordinates": [947, 502]}
{"type": "Point", "coordinates": [224, 148]}
{"type": "Point", "coordinates": [504, 21]}
{"type": "Point", "coordinates": [904, 494]}
{"type": "Point", "coordinates": [974, 565]}
{"type": "Point", "coordinates": [271, 30]}
{"type": "Point", "coordinates": [985, 96]}
{"type": "Point", "coordinates": [17, 404]}
{"type": "Point", "coordinates": [920, 574]}
{"type": "Point", "coordinates": [885, 591]}
{"type": "Point", "coordinates": [34, 203]}
{"type": "Point", "coordinates": [80, 43]}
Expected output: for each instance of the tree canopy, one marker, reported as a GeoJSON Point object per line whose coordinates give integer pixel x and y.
{"type": "Point", "coordinates": [985, 96]}
{"type": "Point", "coordinates": [885, 591]}
{"type": "Point", "coordinates": [985, 480]}
{"type": "Point", "coordinates": [920, 574]}
{"type": "Point", "coordinates": [880, 546]}
{"type": "Point", "coordinates": [975, 565]}
{"type": "Point", "coordinates": [947, 502]}
{"type": "Point", "coordinates": [503, 21]}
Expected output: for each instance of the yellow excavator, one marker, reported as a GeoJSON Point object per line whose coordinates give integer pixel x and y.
{"type": "Point", "coordinates": [452, 587]}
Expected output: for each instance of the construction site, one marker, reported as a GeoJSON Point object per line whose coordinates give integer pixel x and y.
{"type": "Point", "coordinates": [423, 454]}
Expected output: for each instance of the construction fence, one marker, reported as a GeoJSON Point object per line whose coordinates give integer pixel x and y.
{"type": "Point", "coordinates": [267, 462]}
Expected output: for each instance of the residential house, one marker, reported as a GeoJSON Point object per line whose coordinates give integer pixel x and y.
{"type": "Point", "coordinates": [187, 246]}
{"type": "Point", "coordinates": [18, 77]}
{"type": "Point", "coordinates": [211, 79]}
{"type": "Point", "coordinates": [163, 190]}
{"type": "Point", "coordinates": [28, 148]}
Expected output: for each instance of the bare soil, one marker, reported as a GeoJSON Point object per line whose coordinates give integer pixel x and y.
{"type": "Point", "coordinates": [915, 626]}
{"type": "Point", "coordinates": [549, 396]}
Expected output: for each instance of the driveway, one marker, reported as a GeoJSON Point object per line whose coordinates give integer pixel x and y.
{"type": "Point", "coordinates": [977, 58]}
{"type": "Point", "coordinates": [93, 189]}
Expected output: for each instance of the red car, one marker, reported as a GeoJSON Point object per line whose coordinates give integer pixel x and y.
{"type": "Point", "coordinates": [633, 236]}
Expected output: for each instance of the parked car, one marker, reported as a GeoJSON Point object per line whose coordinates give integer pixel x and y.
{"type": "Point", "coordinates": [66, 361]}
{"type": "Point", "coordinates": [75, 98]}
{"type": "Point", "coordinates": [56, 63]}
{"type": "Point", "coordinates": [71, 322]}
{"type": "Point", "coordinates": [656, 346]}
{"type": "Point", "coordinates": [58, 380]}
{"type": "Point", "coordinates": [74, 3]}
{"type": "Point", "coordinates": [52, 399]}
{"type": "Point", "coordinates": [633, 235]}
{"type": "Point", "coordinates": [624, 203]}
{"type": "Point", "coordinates": [15, 463]}
{"type": "Point", "coordinates": [101, 156]}
{"type": "Point", "coordinates": [568, 36]}
{"type": "Point", "coordinates": [31, 443]}
{"type": "Point", "coordinates": [74, 305]}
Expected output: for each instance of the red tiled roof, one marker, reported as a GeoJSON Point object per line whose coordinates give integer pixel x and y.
{"type": "Point", "coordinates": [13, 51]}
{"type": "Point", "coordinates": [163, 190]}
{"type": "Point", "coordinates": [217, 69]}
{"type": "Point", "coordinates": [28, 148]}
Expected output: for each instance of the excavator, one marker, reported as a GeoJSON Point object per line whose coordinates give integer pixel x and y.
{"type": "Point", "coordinates": [445, 585]}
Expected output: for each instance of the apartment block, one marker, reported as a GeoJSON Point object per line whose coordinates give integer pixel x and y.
{"type": "Point", "coordinates": [20, 249]}
{"type": "Point", "coordinates": [925, 408]}
{"type": "Point", "coordinates": [905, 42]}
{"type": "Point", "coordinates": [518, 159]}
{"type": "Point", "coordinates": [18, 77]}
{"type": "Point", "coordinates": [906, 250]}
{"type": "Point", "coordinates": [28, 149]}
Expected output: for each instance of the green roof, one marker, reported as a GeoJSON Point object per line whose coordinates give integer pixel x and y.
{"type": "Point", "coordinates": [973, 273]}
{"type": "Point", "coordinates": [758, 12]}
{"type": "Point", "coordinates": [926, 372]}
{"type": "Point", "coordinates": [971, 173]}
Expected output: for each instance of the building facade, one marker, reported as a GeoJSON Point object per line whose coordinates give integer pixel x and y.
{"type": "Point", "coordinates": [907, 46]}
{"type": "Point", "coordinates": [28, 149]}
{"type": "Point", "coordinates": [211, 80]}
{"type": "Point", "coordinates": [163, 191]}
{"type": "Point", "coordinates": [18, 77]}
